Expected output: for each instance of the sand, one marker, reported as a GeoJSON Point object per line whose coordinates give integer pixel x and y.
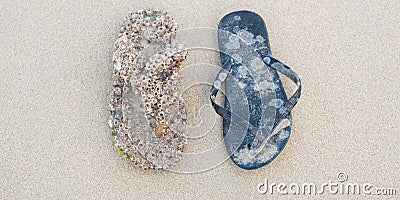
{"type": "Point", "coordinates": [55, 79]}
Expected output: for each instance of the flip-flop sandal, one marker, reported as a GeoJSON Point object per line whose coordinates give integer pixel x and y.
{"type": "Point", "coordinates": [256, 125]}
{"type": "Point", "coordinates": [147, 115]}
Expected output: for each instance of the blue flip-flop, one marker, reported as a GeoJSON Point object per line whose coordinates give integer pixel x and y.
{"type": "Point", "coordinates": [257, 113]}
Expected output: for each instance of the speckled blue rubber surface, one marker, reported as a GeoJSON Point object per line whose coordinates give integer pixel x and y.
{"type": "Point", "coordinates": [255, 102]}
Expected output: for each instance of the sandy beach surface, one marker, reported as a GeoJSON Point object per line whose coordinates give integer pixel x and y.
{"type": "Point", "coordinates": [56, 77]}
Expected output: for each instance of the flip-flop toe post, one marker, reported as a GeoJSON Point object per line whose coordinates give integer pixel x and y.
{"type": "Point", "coordinates": [257, 124]}
{"type": "Point", "coordinates": [147, 115]}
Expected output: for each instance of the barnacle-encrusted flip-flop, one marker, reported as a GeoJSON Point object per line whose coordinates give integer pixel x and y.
{"type": "Point", "coordinates": [249, 68]}
{"type": "Point", "coordinates": [147, 115]}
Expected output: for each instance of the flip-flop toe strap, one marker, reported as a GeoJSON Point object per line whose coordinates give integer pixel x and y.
{"type": "Point", "coordinates": [283, 111]}
{"type": "Point", "coordinates": [221, 77]}
{"type": "Point", "coordinates": [285, 70]}
{"type": "Point", "coordinates": [223, 112]}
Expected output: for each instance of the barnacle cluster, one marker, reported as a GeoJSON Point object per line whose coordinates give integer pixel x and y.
{"type": "Point", "coordinates": [147, 114]}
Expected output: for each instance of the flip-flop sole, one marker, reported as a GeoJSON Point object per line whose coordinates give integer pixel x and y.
{"type": "Point", "coordinates": [241, 33]}
{"type": "Point", "coordinates": [147, 115]}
